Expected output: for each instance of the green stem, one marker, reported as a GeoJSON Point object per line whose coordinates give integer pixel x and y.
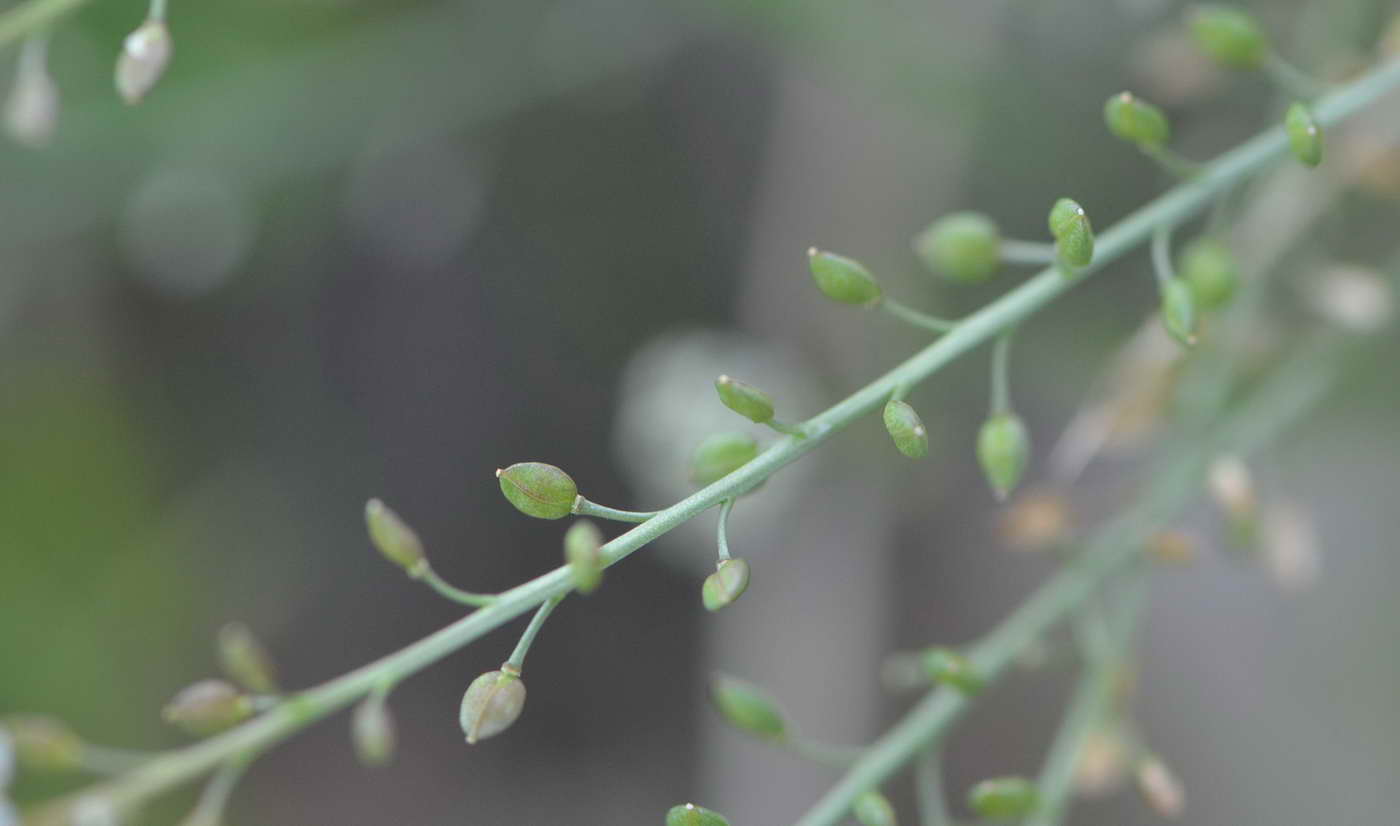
{"type": "Point", "coordinates": [723, 539]}
{"type": "Point", "coordinates": [1027, 252]}
{"type": "Point", "coordinates": [1162, 255]}
{"type": "Point", "coordinates": [928, 789]}
{"type": "Point", "coordinates": [1001, 374]}
{"type": "Point", "coordinates": [1174, 163]}
{"type": "Point", "coordinates": [437, 583]}
{"type": "Point", "coordinates": [909, 315]}
{"type": "Point", "coordinates": [787, 428]}
{"type": "Point", "coordinates": [527, 639]}
{"type": "Point", "coordinates": [583, 507]}
{"type": "Point", "coordinates": [31, 17]}
{"type": "Point", "coordinates": [209, 811]}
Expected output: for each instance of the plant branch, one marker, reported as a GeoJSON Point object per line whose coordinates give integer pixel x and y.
{"type": "Point", "coordinates": [914, 317]}
{"type": "Point", "coordinates": [36, 15]}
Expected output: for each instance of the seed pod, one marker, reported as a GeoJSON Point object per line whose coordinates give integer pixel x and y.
{"type": "Point", "coordinates": [372, 731]}
{"type": "Point", "coordinates": [1136, 121]}
{"type": "Point", "coordinates": [842, 279]}
{"type": "Point", "coordinates": [1232, 487]}
{"type": "Point", "coordinates": [1304, 134]}
{"type": "Point", "coordinates": [1209, 269]}
{"type": "Point", "coordinates": [747, 708]}
{"type": "Point", "coordinates": [245, 660]}
{"type": "Point", "coordinates": [720, 455]}
{"type": "Point", "coordinates": [946, 666]}
{"type": "Point", "coordinates": [1229, 36]}
{"type": "Point", "coordinates": [1103, 762]}
{"type": "Point", "coordinates": [31, 111]}
{"type": "Point", "coordinates": [1179, 311]}
{"type": "Point", "coordinates": [207, 707]}
{"type": "Point", "coordinates": [874, 809]}
{"type": "Point", "coordinates": [964, 246]}
{"type": "Point", "coordinates": [1074, 237]}
{"type": "Point", "coordinates": [1160, 788]}
{"type": "Point", "coordinates": [1003, 448]}
{"type": "Point", "coordinates": [906, 429]}
{"type": "Point", "coordinates": [492, 703]}
{"type": "Point", "coordinates": [726, 584]}
{"type": "Point", "coordinates": [539, 490]}
{"type": "Point", "coordinates": [145, 54]}
{"type": "Point", "coordinates": [583, 544]}
{"type": "Point", "coordinates": [692, 815]}
{"type": "Point", "coordinates": [42, 743]}
{"type": "Point", "coordinates": [745, 399]}
{"type": "Point", "coordinates": [1037, 520]}
{"type": "Point", "coordinates": [1290, 550]}
{"type": "Point", "coordinates": [1003, 798]}
{"type": "Point", "coordinates": [393, 537]}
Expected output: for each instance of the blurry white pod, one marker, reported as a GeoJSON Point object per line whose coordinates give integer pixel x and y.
{"type": "Point", "coordinates": [31, 111]}
{"type": "Point", "coordinates": [1354, 298]}
{"type": "Point", "coordinates": [145, 54]}
{"type": "Point", "coordinates": [1290, 547]}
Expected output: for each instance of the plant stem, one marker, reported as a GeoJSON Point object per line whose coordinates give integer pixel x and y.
{"type": "Point", "coordinates": [583, 507]}
{"type": "Point", "coordinates": [209, 811]}
{"type": "Point", "coordinates": [26, 18]}
{"type": "Point", "coordinates": [1027, 252]}
{"type": "Point", "coordinates": [1001, 374]}
{"type": "Point", "coordinates": [1162, 255]}
{"type": "Point", "coordinates": [723, 537]}
{"type": "Point", "coordinates": [909, 315]}
{"type": "Point", "coordinates": [437, 583]}
{"type": "Point", "coordinates": [928, 789]}
{"type": "Point", "coordinates": [1173, 162]}
{"type": "Point", "coordinates": [517, 657]}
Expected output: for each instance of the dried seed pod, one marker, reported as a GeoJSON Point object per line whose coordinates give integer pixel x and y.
{"type": "Point", "coordinates": [583, 544]}
{"type": "Point", "coordinates": [245, 660]}
{"type": "Point", "coordinates": [539, 490]}
{"type": "Point", "coordinates": [1160, 788]}
{"type": "Point", "coordinates": [208, 707]}
{"type": "Point", "coordinates": [842, 279]}
{"type": "Point", "coordinates": [1179, 311]}
{"type": "Point", "coordinates": [1136, 121]}
{"type": "Point", "coordinates": [1037, 520]}
{"type": "Point", "coordinates": [906, 429]}
{"type": "Point", "coordinates": [720, 455]}
{"type": "Point", "coordinates": [1304, 134]}
{"type": "Point", "coordinates": [747, 707]}
{"type": "Point", "coordinates": [726, 584]}
{"type": "Point", "coordinates": [492, 703]}
{"type": "Point", "coordinates": [372, 731]}
{"type": "Point", "coordinates": [745, 399]}
{"type": "Point", "coordinates": [964, 246]}
{"type": "Point", "coordinates": [393, 537]}
{"type": "Point", "coordinates": [691, 815]}
{"type": "Point", "coordinates": [1003, 449]}
{"type": "Point", "coordinates": [145, 54]}
{"type": "Point", "coordinates": [946, 666]}
{"type": "Point", "coordinates": [1208, 267]}
{"type": "Point", "coordinates": [31, 111]}
{"type": "Point", "coordinates": [1229, 36]}
{"type": "Point", "coordinates": [42, 743]}
{"type": "Point", "coordinates": [874, 809]}
{"type": "Point", "coordinates": [1074, 236]}
{"type": "Point", "coordinates": [1003, 798]}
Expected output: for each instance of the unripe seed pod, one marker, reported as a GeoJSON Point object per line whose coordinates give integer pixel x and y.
{"type": "Point", "coordinates": [842, 279]}
{"type": "Point", "coordinates": [946, 666]}
{"type": "Point", "coordinates": [1074, 237]}
{"type": "Point", "coordinates": [1229, 36]}
{"type": "Point", "coordinates": [393, 537]}
{"type": "Point", "coordinates": [874, 809]}
{"type": "Point", "coordinates": [207, 707]}
{"type": "Point", "coordinates": [964, 246]}
{"type": "Point", "coordinates": [1136, 121]}
{"type": "Point", "coordinates": [42, 743]}
{"type": "Point", "coordinates": [1179, 311]}
{"type": "Point", "coordinates": [373, 732]}
{"type": "Point", "coordinates": [1160, 788]}
{"type": "Point", "coordinates": [583, 544]}
{"type": "Point", "coordinates": [1003, 448]}
{"type": "Point", "coordinates": [906, 429]}
{"type": "Point", "coordinates": [31, 111]}
{"type": "Point", "coordinates": [745, 399]}
{"type": "Point", "coordinates": [245, 660]}
{"type": "Point", "coordinates": [492, 703]}
{"type": "Point", "coordinates": [1304, 134]}
{"type": "Point", "coordinates": [746, 707]}
{"type": "Point", "coordinates": [726, 584]}
{"type": "Point", "coordinates": [1003, 798]}
{"type": "Point", "coordinates": [539, 490]}
{"type": "Point", "coordinates": [1209, 269]}
{"type": "Point", "coordinates": [692, 815]}
{"type": "Point", "coordinates": [145, 54]}
{"type": "Point", "coordinates": [720, 455]}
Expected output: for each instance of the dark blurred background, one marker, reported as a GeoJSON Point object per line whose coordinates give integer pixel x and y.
{"type": "Point", "coordinates": [353, 248]}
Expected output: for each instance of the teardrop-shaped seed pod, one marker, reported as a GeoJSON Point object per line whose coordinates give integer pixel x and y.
{"type": "Point", "coordinates": [842, 279]}
{"type": "Point", "coordinates": [965, 247]}
{"type": "Point", "coordinates": [42, 743]}
{"type": "Point", "coordinates": [145, 54]}
{"type": "Point", "coordinates": [1003, 798]}
{"type": "Point", "coordinates": [745, 399]}
{"type": "Point", "coordinates": [874, 809]}
{"type": "Point", "coordinates": [245, 660]}
{"type": "Point", "coordinates": [392, 536]}
{"type": "Point", "coordinates": [1003, 449]}
{"type": "Point", "coordinates": [1304, 134]}
{"type": "Point", "coordinates": [946, 666]}
{"type": "Point", "coordinates": [691, 815]}
{"type": "Point", "coordinates": [538, 489]}
{"type": "Point", "coordinates": [720, 455]}
{"type": "Point", "coordinates": [726, 584]}
{"type": "Point", "coordinates": [747, 707]}
{"type": "Point", "coordinates": [1229, 36]}
{"type": "Point", "coordinates": [906, 429]}
{"type": "Point", "coordinates": [372, 731]}
{"type": "Point", "coordinates": [1179, 311]}
{"type": "Point", "coordinates": [1136, 121]}
{"type": "Point", "coordinates": [1074, 236]}
{"type": "Point", "coordinates": [583, 544]}
{"type": "Point", "coordinates": [208, 707]}
{"type": "Point", "coordinates": [491, 704]}
{"type": "Point", "coordinates": [1209, 269]}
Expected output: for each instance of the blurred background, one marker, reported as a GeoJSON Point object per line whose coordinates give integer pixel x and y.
{"type": "Point", "coordinates": [351, 248]}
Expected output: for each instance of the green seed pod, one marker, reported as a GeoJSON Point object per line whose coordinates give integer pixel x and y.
{"type": "Point", "coordinates": [946, 666]}
{"type": "Point", "coordinates": [1074, 236]}
{"type": "Point", "coordinates": [1136, 121]}
{"type": "Point", "coordinates": [1229, 36]}
{"type": "Point", "coordinates": [492, 703]}
{"type": "Point", "coordinates": [1003, 798]}
{"type": "Point", "coordinates": [873, 809]}
{"type": "Point", "coordinates": [747, 708]}
{"type": "Point", "coordinates": [539, 490]}
{"type": "Point", "coordinates": [583, 544]}
{"type": "Point", "coordinates": [842, 279]}
{"type": "Point", "coordinates": [1209, 269]}
{"type": "Point", "coordinates": [720, 455]}
{"type": "Point", "coordinates": [245, 660]}
{"type": "Point", "coordinates": [373, 732]}
{"type": "Point", "coordinates": [1179, 311]}
{"type": "Point", "coordinates": [208, 707]}
{"type": "Point", "coordinates": [906, 429]}
{"type": "Point", "coordinates": [964, 246]}
{"type": "Point", "coordinates": [726, 584]}
{"type": "Point", "coordinates": [692, 815]}
{"type": "Point", "coordinates": [1304, 134]}
{"type": "Point", "coordinates": [745, 399]}
{"type": "Point", "coordinates": [1003, 448]}
{"type": "Point", "coordinates": [393, 537]}
{"type": "Point", "coordinates": [145, 54]}
{"type": "Point", "coordinates": [42, 743]}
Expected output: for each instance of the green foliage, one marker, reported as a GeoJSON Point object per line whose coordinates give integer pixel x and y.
{"type": "Point", "coordinates": [1304, 135]}
{"type": "Point", "coordinates": [1230, 36]}
{"type": "Point", "coordinates": [1074, 236]}
{"type": "Point", "coordinates": [874, 809]}
{"type": "Point", "coordinates": [720, 455]}
{"type": "Point", "coordinates": [539, 490]}
{"type": "Point", "coordinates": [583, 544]}
{"type": "Point", "coordinates": [745, 399]}
{"type": "Point", "coordinates": [747, 707]}
{"type": "Point", "coordinates": [1136, 121]}
{"type": "Point", "coordinates": [1003, 449]}
{"type": "Point", "coordinates": [964, 246]}
{"type": "Point", "coordinates": [1003, 798]}
{"type": "Point", "coordinates": [1208, 266]}
{"type": "Point", "coordinates": [691, 815]}
{"type": "Point", "coordinates": [906, 429]}
{"type": "Point", "coordinates": [842, 279]}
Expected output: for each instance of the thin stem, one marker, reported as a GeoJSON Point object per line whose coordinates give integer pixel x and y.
{"type": "Point", "coordinates": [27, 18]}
{"type": "Point", "coordinates": [723, 539]}
{"type": "Point", "coordinates": [517, 657]}
{"type": "Point", "coordinates": [209, 811]}
{"type": "Point", "coordinates": [1173, 162]}
{"type": "Point", "coordinates": [105, 760]}
{"type": "Point", "coordinates": [909, 315]}
{"type": "Point", "coordinates": [1294, 81]}
{"type": "Point", "coordinates": [928, 789]}
{"type": "Point", "coordinates": [787, 428]}
{"type": "Point", "coordinates": [1001, 373]}
{"type": "Point", "coordinates": [900, 393]}
{"type": "Point", "coordinates": [437, 583]}
{"type": "Point", "coordinates": [1027, 252]}
{"type": "Point", "coordinates": [583, 507]}
{"type": "Point", "coordinates": [157, 10]}
{"type": "Point", "coordinates": [1162, 255]}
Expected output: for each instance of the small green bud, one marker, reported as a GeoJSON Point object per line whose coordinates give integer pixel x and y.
{"type": "Point", "coordinates": [43, 743]}
{"type": "Point", "coordinates": [1136, 121]}
{"type": "Point", "coordinates": [393, 537]}
{"type": "Point", "coordinates": [145, 54]}
{"type": "Point", "coordinates": [692, 815]}
{"type": "Point", "coordinates": [372, 731]}
{"type": "Point", "coordinates": [583, 544]}
{"type": "Point", "coordinates": [245, 660]}
{"type": "Point", "coordinates": [1304, 134]}
{"type": "Point", "coordinates": [874, 809]}
{"type": "Point", "coordinates": [1003, 798]}
{"type": "Point", "coordinates": [1003, 448]}
{"type": "Point", "coordinates": [745, 399]}
{"type": "Point", "coordinates": [208, 707]}
{"type": "Point", "coordinates": [842, 279]}
{"type": "Point", "coordinates": [492, 703]}
{"type": "Point", "coordinates": [1229, 36]}
{"type": "Point", "coordinates": [720, 455]}
{"type": "Point", "coordinates": [539, 490]}
{"type": "Point", "coordinates": [946, 666]}
{"type": "Point", "coordinates": [906, 429]}
{"type": "Point", "coordinates": [1074, 237]}
{"type": "Point", "coordinates": [1179, 311]}
{"type": "Point", "coordinates": [1209, 269]}
{"type": "Point", "coordinates": [747, 708]}
{"type": "Point", "coordinates": [964, 246]}
{"type": "Point", "coordinates": [726, 584]}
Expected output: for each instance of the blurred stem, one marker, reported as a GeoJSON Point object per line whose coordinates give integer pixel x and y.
{"type": "Point", "coordinates": [583, 507]}
{"type": "Point", "coordinates": [437, 583]}
{"type": "Point", "coordinates": [1162, 255]}
{"type": "Point", "coordinates": [31, 17]}
{"type": "Point", "coordinates": [157, 11]}
{"type": "Point", "coordinates": [1027, 252]}
{"type": "Point", "coordinates": [723, 538]}
{"type": "Point", "coordinates": [1001, 374]}
{"type": "Point", "coordinates": [1173, 162]}
{"type": "Point", "coordinates": [527, 639]}
{"type": "Point", "coordinates": [928, 789]}
{"type": "Point", "coordinates": [209, 811]}
{"type": "Point", "coordinates": [909, 315]}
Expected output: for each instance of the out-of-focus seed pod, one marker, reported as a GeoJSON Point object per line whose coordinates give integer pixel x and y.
{"type": "Point", "coordinates": [1074, 236]}
{"type": "Point", "coordinates": [245, 660]}
{"type": "Point", "coordinates": [1304, 134]}
{"type": "Point", "coordinates": [1208, 267]}
{"type": "Point", "coordinates": [1229, 36]}
{"type": "Point", "coordinates": [207, 707]}
{"type": "Point", "coordinates": [874, 809]}
{"type": "Point", "coordinates": [145, 54]}
{"type": "Point", "coordinates": [946, 666]}
{"type": "Point", "coordinates": [393, 537]}
{"type": "Point", "coordinates": [726, 584]}
{"type": "Point", "coordinates": [1003, 449]}
{"type": "Point", "coordinates": [745, 399]}
{"type": "Point", "coordinates": [1290, 548]}
{"type": "Point", "coordinates": [1172, 547]}
{"type": "Point", "coordinates": [964, 246]}
{"type": "Point", "coordinates": [747, 707]}
{"type": "Point", "coordinates": [42, 743]}
{"type": "Point", "coordinates": [720, 455]}
{"type": "Point", "coordinates": [1136, 121]}
{"type": "Point", "coordinates": [31, 111]}
{"type": "Point", "coordinates": [1179, 311]}
{"type": "Point", "coordinates": [843, 279]}
{"type": "Point", "coordinates": [372, 731]}
{"type": "Point", "coordinates": [539, 490]}
{"type": "Point", "coordinates": [1356, 299]}
{"type": "Point", "coordinates": [1003, 798]}
{"type": "Point", "coordinates": [691, 815]}
{"type": "Point", "coordinates": [906, 429]}
{"type": "Point", "coordinates": [1037, 521]}
{"type": "Point", "coordinates": [1232, 487]}
{"type": "Point", "coordinates": [1103, 763]}
{"type": "Point", "coordinates": [492, 703]}
{"type": "Point", "coordinates": [583, 544]}
{"type": "Point", "coordinates": [1160, 788]}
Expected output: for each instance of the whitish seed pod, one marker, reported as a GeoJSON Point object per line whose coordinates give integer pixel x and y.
{"type": "Point", "coordinates": [583, 551]}
{"type": "Point", "coordinates": [372, 731]}
{"type": "Point", "coordinates": [874, 809]}
{"type": "Point", "coordinates": [1037, 521]}
{"type": "Point", "coordinates": [1160, 788]}
{"type": "Point", "coordinates": [492, 703]}
{"type": "Point", "coordinates": [31, 111]}
{"type": "Point", "coordinates": [539, 490]}
{"type": "Point", "coordinates": [207, 707]}
{"type": "Point", "coordinates": [1290, 550]}
{"type": "Point", "coordinates": [726, 584]}
{"type": "Point", "coordinates": [145, 54]}
{"type": "Point", "coordinates": [745, 399]}
{"type": "Point", "coordinates": [946, 666]}
{"type": "Point", "coordinates": [1003, 798]}
{"type": "Point", "coordinates": [1074, 236]}
{"type": "Point", "coordinates": [1103, 763]}
{"type": "Point", "coordinates": [964, 246]}
{"type": "Point", "coordinates": [1304, 134]}
{"type": "Point", "coordinates": [245, 660]}
{"type": "Point", "coordinates": [720, 455]}
{"type": "Point", "coordinates": [906, 429]}
{"type": "Point", "coordinates": [1136, 121]}
{"type": "Point", "coordinates": [691, 815]}
{"type": "Point", "coordinates": [1232, 488]}
{"type": "Point", "coordinates": [393, 537]}
{"type": "Point", "coordinates": [1209, 269]}
{"type": "Point", "coordinates": [1229, 36]}
{"type": "Point", "coordinates": [1356, 299]}
{"type": "Point", "coordinates": [1179, 311]}
{"type": "Point", "coordinates": [42, 743]}
{"type": "Point", "coordinates": [842, 279]}
{"type": "Point", "coordinates": [1003, 449]}
{"type": "Point", "coordinates": [747, 708]}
